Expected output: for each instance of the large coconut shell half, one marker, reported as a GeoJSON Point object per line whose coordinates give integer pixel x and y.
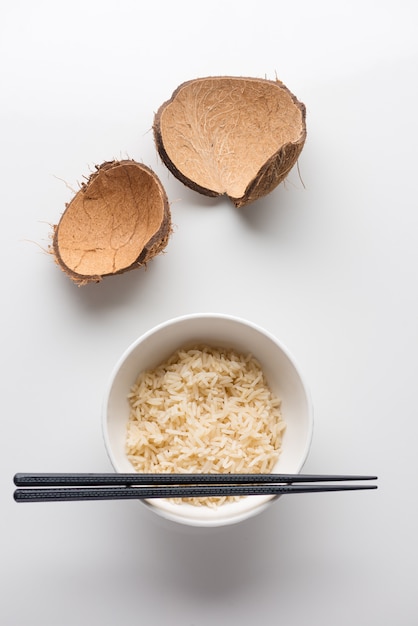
{"type": "Point", "coordinates": [116, 222]}
{"type": "Point", "coordinates": [232, 136]}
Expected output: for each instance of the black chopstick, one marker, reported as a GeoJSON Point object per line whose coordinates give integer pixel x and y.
{"type": "Point", "coordinates": [189, 491]}
{"type": "Point", "coordinates": [96, 480]}
{"type": "Point", "coordinates": [65, 487]}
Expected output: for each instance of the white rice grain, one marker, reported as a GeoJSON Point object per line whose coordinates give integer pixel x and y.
{"type": "Point", "coordinates": [204, 410]}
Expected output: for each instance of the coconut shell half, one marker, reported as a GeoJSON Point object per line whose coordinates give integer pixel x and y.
{"type": "Point", "coordinates": [119, 220]}
{"type": "Point", "coordinates": [238, 137]}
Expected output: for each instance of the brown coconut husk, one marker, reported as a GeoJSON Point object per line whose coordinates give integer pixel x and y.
{"type": "Point", "coordinates": [238, 137]}
{"type": "Point", "coordinates": [118, 221]}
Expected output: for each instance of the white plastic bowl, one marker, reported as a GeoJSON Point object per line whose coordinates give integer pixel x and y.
{"type": "Point", "coordinates": [284, 379]}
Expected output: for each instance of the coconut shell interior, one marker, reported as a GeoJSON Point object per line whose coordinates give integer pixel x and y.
{"type": "Point", "coordinates": [117, 221]}
{"type": "Point", "coordinates": [218, 134]}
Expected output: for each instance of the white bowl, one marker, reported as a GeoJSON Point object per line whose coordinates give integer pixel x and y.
{"type": "Point", "coordinates": [283, 377]}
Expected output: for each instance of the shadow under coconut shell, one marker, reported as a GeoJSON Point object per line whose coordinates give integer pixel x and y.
{"type": "Point", "coordinates": [256, 213]}
{"type": "Point", "coordinates": [264, 215]}
{"type": "Point", "coordinates": [271, 212]}
{"type": "Point", "coordinates": [112, 292]}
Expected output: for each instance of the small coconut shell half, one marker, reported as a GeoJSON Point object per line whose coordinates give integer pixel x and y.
{"type": "Point", "coordinates": [232, 136]}
{"type": "Point", "coordinates": [116, 222]}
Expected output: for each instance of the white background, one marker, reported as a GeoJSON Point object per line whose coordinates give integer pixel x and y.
{"type": "Point", "coordinates": [329, 266]}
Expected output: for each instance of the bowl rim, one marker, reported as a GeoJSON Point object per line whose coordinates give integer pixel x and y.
{"type": "Point", "coordinates": [159, 507]}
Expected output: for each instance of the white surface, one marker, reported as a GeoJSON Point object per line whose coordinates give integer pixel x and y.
{"type": "Point", "coordinates": [330, 268]}
{"type": "Point", "coordinates": [285, 380]}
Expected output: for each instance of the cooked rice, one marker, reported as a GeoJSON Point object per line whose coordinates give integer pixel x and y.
{"type": "Point", "coordinates": [205, 410]}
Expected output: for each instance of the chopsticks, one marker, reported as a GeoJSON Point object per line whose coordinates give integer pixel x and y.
{"type": "Point", "coordinates": [40, 487]}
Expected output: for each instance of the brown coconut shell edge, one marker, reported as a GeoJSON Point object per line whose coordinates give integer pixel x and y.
{"type": "Point", "coordinates": [269, 176]}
